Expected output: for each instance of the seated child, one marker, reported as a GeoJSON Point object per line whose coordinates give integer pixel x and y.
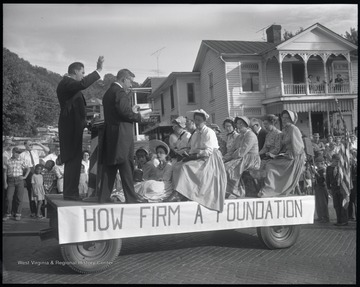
{"type": "Point", "coordinates": [145, 166]}
{"type": "Point", "coordinates": [159, 186]}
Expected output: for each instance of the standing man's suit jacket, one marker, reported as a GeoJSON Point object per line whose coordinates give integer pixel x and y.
{"type": "Point", "coordinates": [118, 140]}
{"type": "Point", "coordinates": [261, 138]}
{"type": "Point", "coordinates": [72, 120]}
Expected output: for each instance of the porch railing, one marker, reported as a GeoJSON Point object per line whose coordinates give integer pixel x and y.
{"type": "Point", "coordinates": [300, 89]}
{"type": "Point", "coordinates": [339, 88]}
{"type": "Point", "coordinates": [294, 89]}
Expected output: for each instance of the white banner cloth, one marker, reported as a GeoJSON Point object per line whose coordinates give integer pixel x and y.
{"type": "Point", "coordinates": [111, 221]}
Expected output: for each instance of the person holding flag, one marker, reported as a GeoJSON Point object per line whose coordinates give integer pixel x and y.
{"type": "Point", "coordinates": [339, 176]}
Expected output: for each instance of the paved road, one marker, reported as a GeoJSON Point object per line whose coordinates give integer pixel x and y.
{"type": "Point", "coordinates": [324, 254]}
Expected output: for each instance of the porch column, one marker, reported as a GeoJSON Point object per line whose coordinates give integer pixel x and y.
{"type": "Point", "coordinates": [281, 75]}
{"type": "Point", "coordinates": [310, 124]}
{"type": "Point", "coordinates": [350, 75]}
{"type": "Point", "coordinates": [306, 78]}
{"type": "Point", "coordinates": [328, 119]}
{"type": "Point", "coordinates": [326, 77]}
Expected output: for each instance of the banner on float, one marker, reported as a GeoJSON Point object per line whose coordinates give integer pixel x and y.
{"type": "Point", "coordinates": [112, 221]}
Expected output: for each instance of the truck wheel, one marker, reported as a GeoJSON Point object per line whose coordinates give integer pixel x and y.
{"type": "Point", "coordinates": [277, 237]}
{"type": "Point", "coordinates": [91, 256]}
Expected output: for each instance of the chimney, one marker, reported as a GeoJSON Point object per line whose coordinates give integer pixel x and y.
{"type": "Point", "coordinates": [273, 34]}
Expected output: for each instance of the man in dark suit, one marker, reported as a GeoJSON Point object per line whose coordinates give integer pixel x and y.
{"type": "Point", "coordinates": [118, 140]}
{"type": "Point", "coordinates": [72, 122]}
{"type": "Point", "coordinates": [260, 132]}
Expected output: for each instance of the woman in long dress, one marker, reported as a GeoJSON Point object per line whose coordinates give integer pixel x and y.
{"type": "Point", "coordinates": [160, 186]}
{"type": "Point", "coordinates": [283, 172]}
{"type": "Point", "coordinates": [231, 135]}
{"type": "Point", "coordinates": [201, 176]}
{"type": "Point", "coordinates": [271, 146]}
{"type": "Point", "coordinates": [272, 143]}
{"type": "Point", "coordinates": [244, 155]}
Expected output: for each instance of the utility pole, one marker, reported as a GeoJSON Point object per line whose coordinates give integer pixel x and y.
{"type": "Point", "coordinates": [157, 52]}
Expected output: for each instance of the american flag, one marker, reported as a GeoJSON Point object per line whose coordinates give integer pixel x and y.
{"type": "Point", "coordinates": [344, 168]}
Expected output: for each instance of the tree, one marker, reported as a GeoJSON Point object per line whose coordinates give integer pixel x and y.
{"type": "Point", "coordinates": [352, 36]}
{"type": "Point", "coordinates": [288, 34]}
{"type": "Point", "coordinates": [29, 97]}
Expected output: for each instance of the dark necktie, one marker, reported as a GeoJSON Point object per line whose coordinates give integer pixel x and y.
{"type": "Point", "coordinates": [32, 159]}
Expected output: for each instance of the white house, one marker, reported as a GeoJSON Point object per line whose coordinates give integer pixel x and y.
{"type": "Point", "coordinates": [252, 78]}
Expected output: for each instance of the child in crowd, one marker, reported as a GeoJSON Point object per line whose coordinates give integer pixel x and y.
{"type": "Point", "coordinates": [49, 176]}
{"type": "Point", "coordinates": [321, 193]}
{"type": "Point", "coordinates": [38, 195]}
{"type": "Point", "coordinates": [83, 183]}
{"type": "Point", "coordinates": [59, 171]}
{"type": "Point", "coordinates": [332, 175]}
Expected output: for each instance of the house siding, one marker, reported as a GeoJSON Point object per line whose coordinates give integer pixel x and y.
{"type": "Point", "coordinates": [250, 102]}
{"type": "Point", "coordinates": [181, 105]}
{"type": "Point", "coordinates": [219, 106]}
{"type": "Point", "coordinates": [181, 97]}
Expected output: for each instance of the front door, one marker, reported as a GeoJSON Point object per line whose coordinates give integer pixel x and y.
{"type": "Point", "coordinates": [298, 71]}
{"type": "Point", "coordinates": [317, 123]}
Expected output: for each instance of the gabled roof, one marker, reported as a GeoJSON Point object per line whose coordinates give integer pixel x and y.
{"type": "Point", "coordinates": [169, 80]}
{"type": "Point", "coordinates": [231, 48]}
{"type": "Point", "coordinates": [239, 48]}
{"type": "Point", "coordinates": [324, 30]}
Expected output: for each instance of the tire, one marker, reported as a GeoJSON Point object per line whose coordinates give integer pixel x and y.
{"type": "Point", "coordinates": [278, 237]}
{"type": "Point", "coordinates": [91, 256]}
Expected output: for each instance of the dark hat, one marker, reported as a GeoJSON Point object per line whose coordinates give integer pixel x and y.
{"type": "Point", "coordinates": [16, 150]}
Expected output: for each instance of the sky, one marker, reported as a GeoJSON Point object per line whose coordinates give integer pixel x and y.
{"type": "Point", "coordinates": [150, 39]}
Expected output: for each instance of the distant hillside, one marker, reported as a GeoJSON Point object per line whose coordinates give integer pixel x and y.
{"type": "Point", "coordinates": [29, 95]}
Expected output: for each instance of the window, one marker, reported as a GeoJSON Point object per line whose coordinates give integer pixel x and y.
{"type": "Point", "coordinates": [190, 93]}
{"type": "Point", "coordinates": [250, 77]}
{"type": "Point", "coordinates": [211, 86]}
{"type": "Point", "coordinates": [162, 105]}
{"type": "Point", "coordinates": [172, 103]}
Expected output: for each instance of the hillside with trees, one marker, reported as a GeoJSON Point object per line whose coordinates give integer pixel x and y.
{"type": "Point", "coordinates": [29, 95]}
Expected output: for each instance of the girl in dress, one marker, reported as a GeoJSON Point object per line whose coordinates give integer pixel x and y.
{"type": "Point", "coordinates": [37, 182]}
{"type": "Point", "coordinates": [160, 186]}
{"type": "Point", "coordinates": [231, 135]}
